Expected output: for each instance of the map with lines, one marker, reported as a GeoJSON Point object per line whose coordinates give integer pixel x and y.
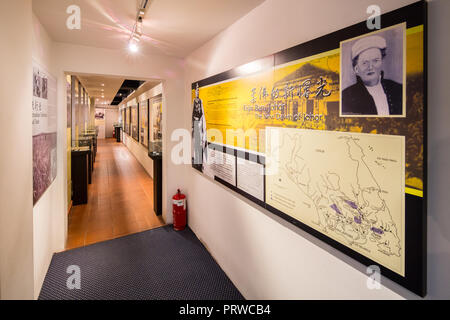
{"type": "Point", "coordinates": [348, 186]}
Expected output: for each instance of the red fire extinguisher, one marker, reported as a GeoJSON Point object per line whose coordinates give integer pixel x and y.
{"type": "Point", "coordinates": [179, 211]}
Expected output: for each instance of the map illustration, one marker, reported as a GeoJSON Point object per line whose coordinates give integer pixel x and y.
{"type": "Point", "coordinates": [348, 186]}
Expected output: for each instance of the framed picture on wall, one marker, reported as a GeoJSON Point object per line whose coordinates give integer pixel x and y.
{"type": "Point", "coordinates": [128, 118]}
{"type": "Point", "coordinates": [123, 118]}
{"type": "Point", "coordinates": [156, 118]}
{"type": "Point", "coordinates": [134, 122]}
{"type": "Point", "coordinates": [370, 62]}
{"type": "Point", "coordinates": [143, 122]}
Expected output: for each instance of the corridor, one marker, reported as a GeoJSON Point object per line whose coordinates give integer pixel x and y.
{"type": "Point", "coordinates": [120, 199]}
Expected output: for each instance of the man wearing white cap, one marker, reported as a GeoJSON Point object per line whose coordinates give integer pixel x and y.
{"type": "Point", "coordinates": [372, 94]}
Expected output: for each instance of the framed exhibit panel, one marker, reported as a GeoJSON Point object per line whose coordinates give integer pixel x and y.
{"type": "Point", "coordinates": [44, 126]}
{"type": "Point", "coordinates": [124, 116]}
{"type": "Point", "coordinates": [85, 109]}
{"type": "Point", "coordinates": [128, 121]}
{"type": "Point", "coordinates": [78, 109]}
{"type": "Point", "coordinates": [143, 122]}
{"type": "Point", "coordinates": [330, 135]}
{"type": "Point", "coordinates": [74, 107]}
{"type": "Point", "coordinates": [155, 118]}
{"type": "Point", "coordinates": [134, 122]}
{"type": "Point", "coordinates": [69, 101]}
{"type": "Point", "coordinates": [99, 114]}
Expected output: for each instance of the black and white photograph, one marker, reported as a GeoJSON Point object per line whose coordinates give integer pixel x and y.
{"type": "Point", "coordinates": [37, 80]}
{"type": "Point", "coordinates": [373, 72]}
{"type": "Point", "coordinates": [44, 88]}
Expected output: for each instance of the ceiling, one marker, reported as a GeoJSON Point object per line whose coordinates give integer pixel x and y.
{"type": "Point", "coordinates": [171, 27]}
{"type": "Point", "coordinates": [109, 89]}
{"type": "Point", "coordinates": [127, 88]}
{"type": "Point", "coordinates": [97, 86]}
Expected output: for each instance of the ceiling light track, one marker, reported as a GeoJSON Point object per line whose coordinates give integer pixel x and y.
{"type": "Point", "coordinates": [137, 28]}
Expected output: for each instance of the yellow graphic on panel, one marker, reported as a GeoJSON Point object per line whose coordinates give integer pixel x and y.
{"type": "Point", "coordinates": [305, 94]}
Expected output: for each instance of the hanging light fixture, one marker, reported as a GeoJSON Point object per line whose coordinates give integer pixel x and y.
{"type": "Point", "coordinates": [132, 46]}
{"type": "Point", "coordinates": [137, 28]}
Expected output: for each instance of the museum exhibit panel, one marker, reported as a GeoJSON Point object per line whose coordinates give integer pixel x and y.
{"type": "Point", "coordinates": [134, 122]}
{"type": "Point", "coordinates": [143, 122]}
{"type": "Point", "coordinates": [44, 127]}
{"type": "Point", "coordinates": [330, 135]}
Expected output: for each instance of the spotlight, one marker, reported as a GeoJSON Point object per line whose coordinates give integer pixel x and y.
{"type": "Point", "coordinates": [132, 46]}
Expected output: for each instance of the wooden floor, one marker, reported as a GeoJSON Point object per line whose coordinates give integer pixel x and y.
{"type": "Point", "coordinates": [120, 199]}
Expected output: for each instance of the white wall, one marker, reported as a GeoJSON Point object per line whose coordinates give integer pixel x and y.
{"type": "Point", "coordinates": [48, 235]}
{"type": "Point", "coordinates": [111, 117]}
{"type": "Point", "coordinates": [29, 236]}
{"type": "Point", "coordinates": [438, 150]}
{"type": "Point", "coordinates": [16, 183]}
{"type": "Point", "coordinates": [264, 256]}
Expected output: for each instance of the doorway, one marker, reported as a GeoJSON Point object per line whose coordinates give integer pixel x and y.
{"type": "Point", "coordinates": [119, 197]}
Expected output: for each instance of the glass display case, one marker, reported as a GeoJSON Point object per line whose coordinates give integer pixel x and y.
{"type": "Point", "coordinates": [86, 143]}
{"type": "Point", "coordinates": [82, 141]}
{"type": "Point", "coordinates": [155, 147]}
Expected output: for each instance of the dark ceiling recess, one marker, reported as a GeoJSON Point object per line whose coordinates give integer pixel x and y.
{"type": "Point", "coordinates": [128, 86]}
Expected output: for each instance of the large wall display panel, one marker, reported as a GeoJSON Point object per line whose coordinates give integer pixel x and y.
{"type": "Point", "coordinates": [44, 111]}
{"type": "Point", "coordinates": [124, 116]}
{"type": "Point", "coordinates": [156, 117]}
{"type": "Point", "coordinates": [134, 117]}
{"type": "Point", "coordinates": [331, 136]}
{"type": "Point", "coordinates": [69, 101]}
{"type": "Point", "coordinates": [143, 122]}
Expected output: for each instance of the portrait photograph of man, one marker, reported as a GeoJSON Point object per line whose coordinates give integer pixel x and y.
{"type": "Point", "coordinates": [373, 74]}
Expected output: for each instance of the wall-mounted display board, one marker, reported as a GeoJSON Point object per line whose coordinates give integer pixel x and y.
{"type": "Point", "coordinates": [127, 120]}
{"type": "Point", "coordinates": [134, 122]}
{"type": "Point", "coordinates": [44, 114]}
{"type": "Point", "coordinates": [156, 117]}
{"type": "Point", "coordinates": [124, 116]}
{"type": "Point", "coordinates": [143, 122]}
{"type": "Point", "coordinates": [331, 136]}
{"type": "Point", "coordinates": [69, 100]}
